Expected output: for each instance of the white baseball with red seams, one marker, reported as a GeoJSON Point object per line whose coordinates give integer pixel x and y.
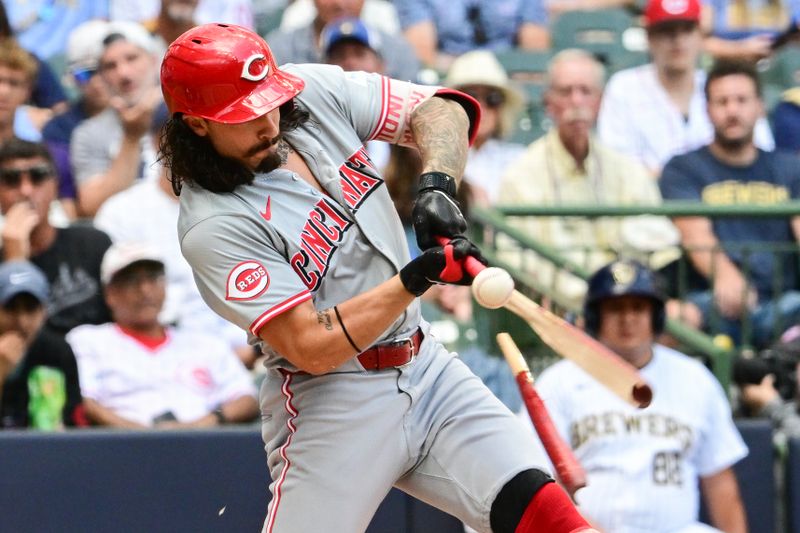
{"type": "Point", "coordinates": [492, 287]}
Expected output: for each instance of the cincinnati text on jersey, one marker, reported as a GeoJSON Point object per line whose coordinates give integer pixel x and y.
{"type": "Point", "coordinates": [326, 224]}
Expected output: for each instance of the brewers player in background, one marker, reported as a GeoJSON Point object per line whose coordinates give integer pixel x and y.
{"type": "Point", "coordinates": [292, 235]}
{"type": "Point", "coordinates": [643, 466]}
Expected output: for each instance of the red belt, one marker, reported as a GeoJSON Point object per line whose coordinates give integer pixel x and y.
{"type": "Point", "coordinates": [392, 354]}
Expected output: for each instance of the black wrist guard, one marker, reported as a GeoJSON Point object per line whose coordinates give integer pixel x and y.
{"type": "Point", "coordinates": [439, 181]}
{"type": "Point", "coordinates": [413, 280]}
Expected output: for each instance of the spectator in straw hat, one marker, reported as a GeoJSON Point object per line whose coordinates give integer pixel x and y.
{"type": "Point", "coordinates": [479, 74]}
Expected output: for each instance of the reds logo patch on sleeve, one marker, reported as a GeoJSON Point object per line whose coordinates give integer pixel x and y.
{"type": "Point", "coordinates": [247, 280]}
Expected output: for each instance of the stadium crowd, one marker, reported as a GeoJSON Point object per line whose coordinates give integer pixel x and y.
{"type": "Point", "coordinates": [96, 301]}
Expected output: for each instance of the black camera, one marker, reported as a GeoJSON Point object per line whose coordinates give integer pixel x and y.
{"type": "Point", "coordinates": [780, 360]}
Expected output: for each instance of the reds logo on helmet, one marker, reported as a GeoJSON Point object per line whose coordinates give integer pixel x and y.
{"type": "Point", "coordinates": [247, 280]}
{"type": "Point", "coordinates": [257, 63]}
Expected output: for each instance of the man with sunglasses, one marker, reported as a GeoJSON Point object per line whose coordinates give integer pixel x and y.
{"type": "Point", "coordinates": [480, 75]}
{"type": "Point", "coordinates": [70, 257]}
{"type": "Point", "coordinates": [84, 46]}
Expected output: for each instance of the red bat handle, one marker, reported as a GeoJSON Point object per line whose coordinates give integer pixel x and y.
{"type": "Point", "coordinates": [568, 469]}
{"type": "Point", "coordinates": [472, 265]}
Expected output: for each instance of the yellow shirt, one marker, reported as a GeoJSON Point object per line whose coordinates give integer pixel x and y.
{"type": "Point", "coordinates": [546, 174]}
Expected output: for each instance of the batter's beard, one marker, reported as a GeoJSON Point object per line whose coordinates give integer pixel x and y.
{"type": "Point", "coordinates": [193, 159]}
{"type": "Point", "coordinates": [269, 163]}
{"type": "Point", "coordinates": [275, 159]}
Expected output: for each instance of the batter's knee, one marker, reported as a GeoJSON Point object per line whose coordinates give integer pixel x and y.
{"type": "Point", "coordinates": [513, 499]}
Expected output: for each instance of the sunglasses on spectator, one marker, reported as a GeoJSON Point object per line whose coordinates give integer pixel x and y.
{"type": "Point", "coordinates": [83, 76]}
{"type": "Point", "coordinates": [492, 98]}
{"type": "Point", "coordinates": [12, 177]}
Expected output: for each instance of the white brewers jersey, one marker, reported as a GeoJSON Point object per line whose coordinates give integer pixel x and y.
{"type": "Point", "coordinates": [189, 375]}
{"type": "Point", "coordinates": [643, 465]}
{"type": "Point", "coordinates": [275, 243]}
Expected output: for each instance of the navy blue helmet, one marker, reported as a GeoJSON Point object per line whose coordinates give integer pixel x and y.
{"type": "Point", "coordinates": [623, 278]}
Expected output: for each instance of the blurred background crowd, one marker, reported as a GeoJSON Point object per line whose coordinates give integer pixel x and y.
{"type": "Point", "coordinates": [609, 104]}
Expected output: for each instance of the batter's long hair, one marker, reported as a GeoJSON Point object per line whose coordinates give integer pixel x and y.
{"type": "Point", "coordinates": [193, 159]}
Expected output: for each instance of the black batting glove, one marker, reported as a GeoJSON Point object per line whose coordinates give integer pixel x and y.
{"type": "Point", "coordinates": [436, 212]}
{"type": "Point", "coordinates": [440, 264]}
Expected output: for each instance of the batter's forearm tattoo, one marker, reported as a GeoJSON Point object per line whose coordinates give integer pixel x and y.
{"type": "Point", "coordinates": [440, 129]}
{"type": "Point", "coordinates": [324, 318]}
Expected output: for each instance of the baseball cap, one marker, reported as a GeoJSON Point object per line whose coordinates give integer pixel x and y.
{"type": "Point", "coordinates": [85, 45]}
{"type": "Point", "coordinates": [133, 32]}
{"type": "Point", "coordinates": [349, 29]}
{"type": "Point", "coordinates": [658, 11]}
{"type": "Point", "coordinates": [122, 255]}
{"type": "Point", "coordinates": [17, 277]}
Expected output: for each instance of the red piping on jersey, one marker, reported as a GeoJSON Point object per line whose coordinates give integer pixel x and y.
{"type": "Point", "coordinates": [384, 108]}
{"type": "Point", "coordinates": [277, 491]}
{"type": "Point", "coordinates": [277, 309]}
{"type": "Point", "coordinates": [470, 105]}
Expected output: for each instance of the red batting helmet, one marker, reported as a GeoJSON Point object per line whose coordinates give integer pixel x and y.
{"type": "Point", "coordinates": [224, 73]}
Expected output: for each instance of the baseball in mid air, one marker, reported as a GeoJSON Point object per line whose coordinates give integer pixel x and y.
{"type": "Point", "coordinates": [492, 287]}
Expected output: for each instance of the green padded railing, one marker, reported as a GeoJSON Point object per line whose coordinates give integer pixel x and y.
{"type": "Point", "coordinates": [487, 224]}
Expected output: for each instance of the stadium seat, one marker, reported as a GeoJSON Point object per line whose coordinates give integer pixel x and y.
{"type": "Point", "coordinates": [528, 70]}
{"type": "Point", "coordinates": [269, 20]}
{"type": "Point", "coordinates": [528, 66]}
{"type": "Point", "coordinates": [597, 31]}
{"type": "Point", "coordinates": [779, 73]}
{"type": "Point", "coordinates": [756, 476]}
{"type": "Point", "coordinates": [58, 64]}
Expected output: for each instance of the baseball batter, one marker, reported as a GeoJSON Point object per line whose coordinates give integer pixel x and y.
{"type": "Point", "coordinates": [292, 235]}
{"type": "Point", "coordinates": [643, 466]}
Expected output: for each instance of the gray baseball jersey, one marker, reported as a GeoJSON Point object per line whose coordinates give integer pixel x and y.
{"type": "Point", "coordinates": [337, 443]}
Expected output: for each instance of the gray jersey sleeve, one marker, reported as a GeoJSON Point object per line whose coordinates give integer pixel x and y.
{"type": "Point", "coordinates": [376, 106]}
{"type": "Point", "coordinates": [261, 283]}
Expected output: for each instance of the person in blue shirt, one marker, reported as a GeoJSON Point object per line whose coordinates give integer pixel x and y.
{"type": "Point", "coordinates": [744, 284]}
{"type": "Point", "coordinates": [440, 30]}
{"type": "Point", "coordinates": [786, 121]}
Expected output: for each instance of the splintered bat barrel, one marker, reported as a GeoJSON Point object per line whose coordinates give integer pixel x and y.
{"type": "Point", "coordinates": [568, 470]}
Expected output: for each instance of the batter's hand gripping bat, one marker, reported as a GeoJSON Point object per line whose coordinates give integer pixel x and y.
{"type": "Point", "coordinates": [570, 342]}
